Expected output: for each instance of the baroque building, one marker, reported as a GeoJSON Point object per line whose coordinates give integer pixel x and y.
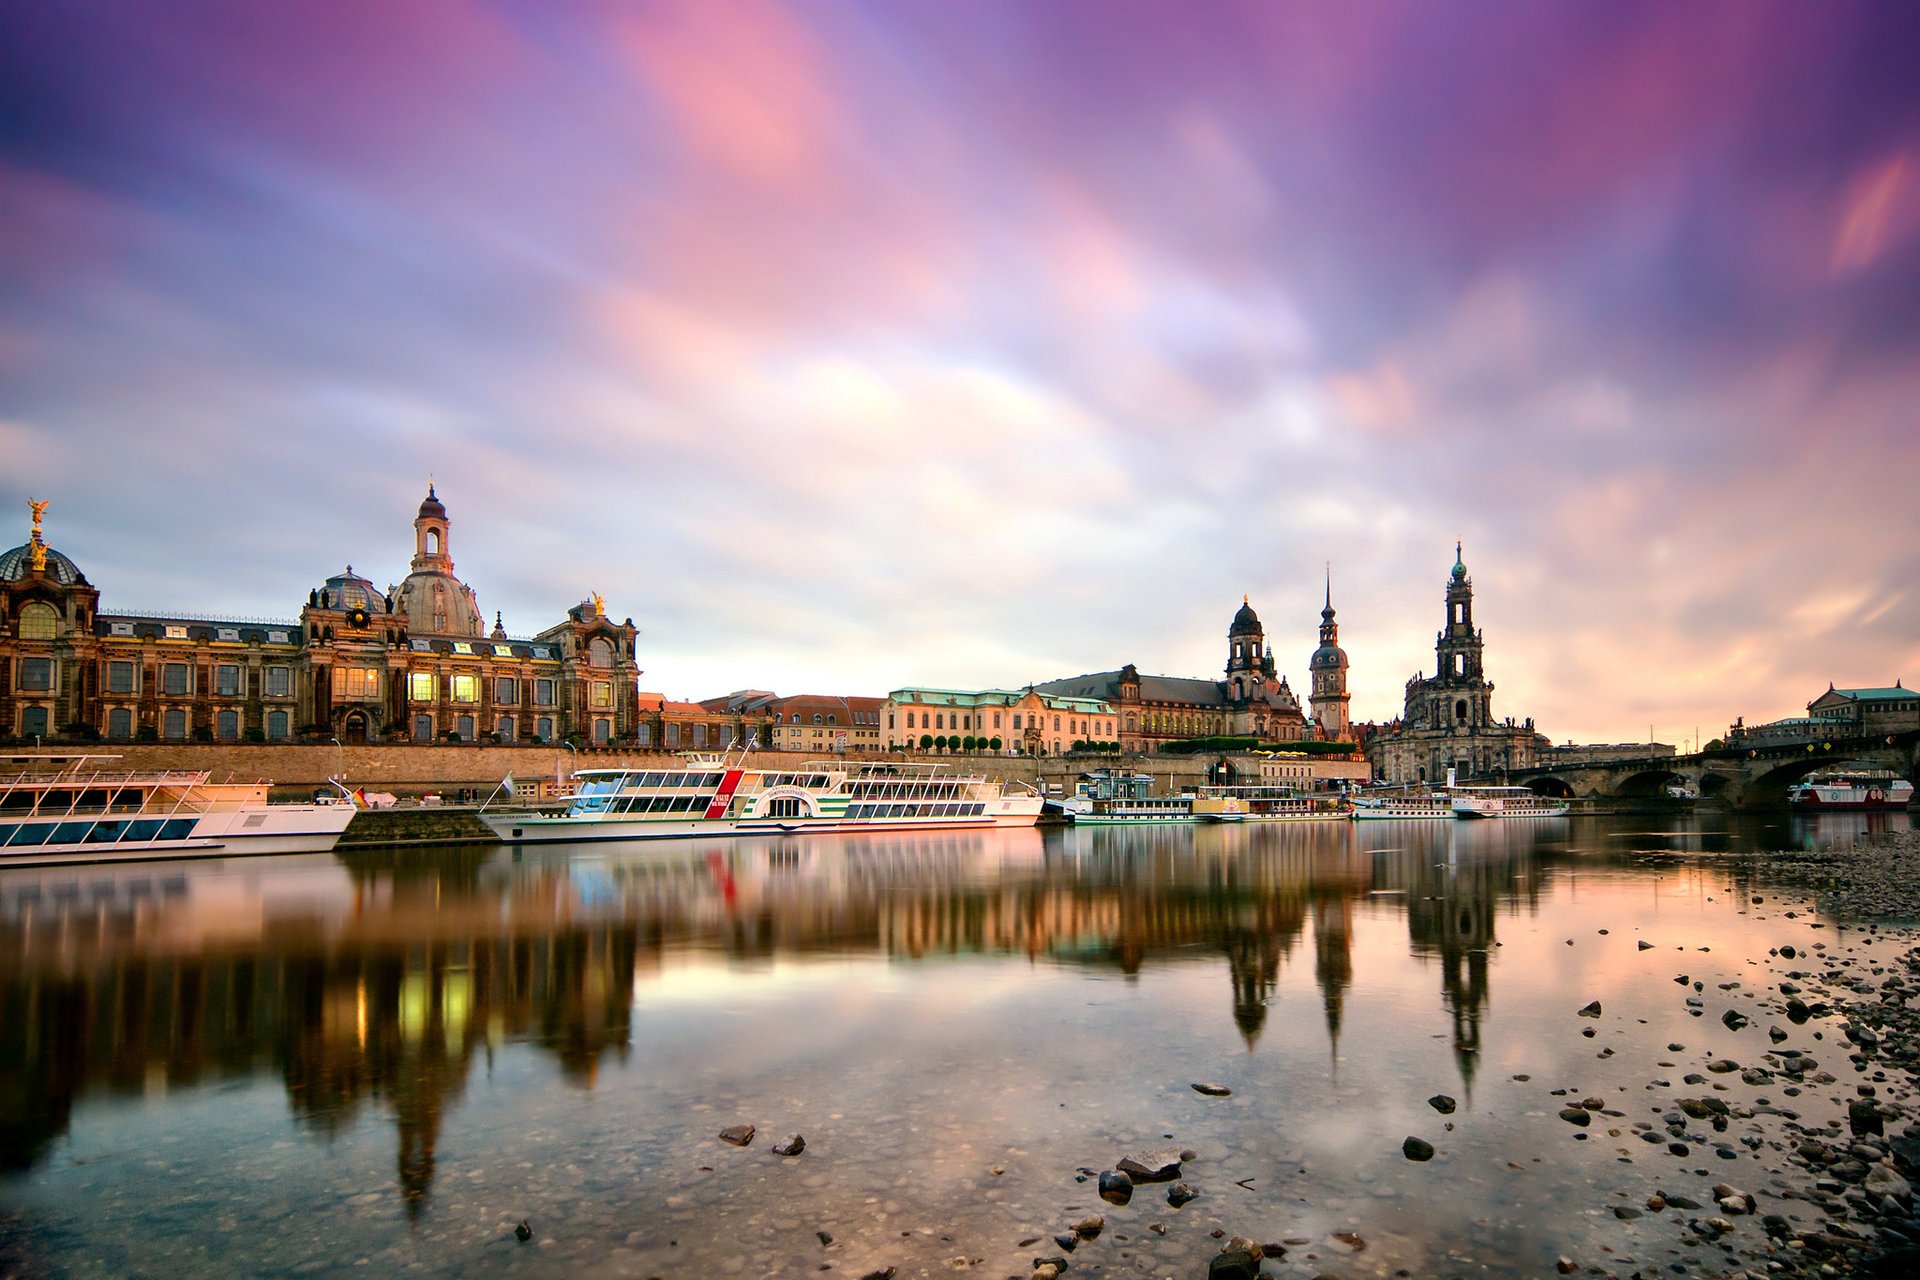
{"type": "Point", "coordinates": [994, 720]}
{"type": "Point", "coordinates": [1449, 723]}
{"type": "Point", "coordinates": [412, 663]}
{"type": "Point", "coordinates": [1252, 701]}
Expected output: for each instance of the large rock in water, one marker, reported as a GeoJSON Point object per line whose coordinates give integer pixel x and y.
{"type": "Point", "coordinates": [739, 1135]}
{"type": "Point", "coordinates": [1235, 1265]}
{"type": "Point", "coordinates": [1150, 1166]}
{"type": "Point", "coordinates": [1417, 1149]}
{"type": "Point", "coordinates": [1115, 1188]}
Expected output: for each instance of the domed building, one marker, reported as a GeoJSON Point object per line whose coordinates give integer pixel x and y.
{"type": "Point", "coordinates": [47, 609]}
{"type": "Point", "coordinates": [1253, 700]}
{"type": "Point", "coordinates": [416, 663]}
{"type": "Point", "coordinates": [434, 602]}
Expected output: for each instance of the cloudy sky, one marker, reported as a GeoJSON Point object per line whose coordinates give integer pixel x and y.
{"type": "Point", "coordinates": [845, 346]}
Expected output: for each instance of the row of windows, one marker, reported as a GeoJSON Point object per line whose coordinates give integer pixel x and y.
{"type": "Point", "coordinates": [424, 686]}
{"type": "Point", "coordinates": [938, 720]}
{"type": "Point", "coordinates": [701, 735]}
{"type": "Point", "coordinates": [176, 678]}
{"type": "Point", "coordinates": [973, 810]}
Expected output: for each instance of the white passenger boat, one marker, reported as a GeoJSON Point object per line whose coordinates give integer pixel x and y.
{"type": "Point", "coordinates": [1504, 802]}
{"type": "Point", "coordinates": [1402, 806]}
{"type": "Point", "coordinates": [59, 809]}
{"type": "Point", "coordinates": [715, 795]}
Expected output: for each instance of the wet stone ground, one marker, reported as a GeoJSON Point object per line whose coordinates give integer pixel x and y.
{"type": "Point", "coordinates": [1417, 1060]}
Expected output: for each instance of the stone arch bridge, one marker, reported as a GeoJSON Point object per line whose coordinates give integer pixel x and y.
{"type": "Point", "coordinates": [1743, 777]}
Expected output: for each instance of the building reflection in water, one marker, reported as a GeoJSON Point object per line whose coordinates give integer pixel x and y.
{"type": "Point", "coordinates": [372, 982]}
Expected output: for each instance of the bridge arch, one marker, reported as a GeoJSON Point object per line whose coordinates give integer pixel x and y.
{"type": "Point", "coordinates": [1769, 787]}
{"type": "Point", "coordinates": [1650, 782]}
{"type": "Point", "coordinates": [1559, 788]}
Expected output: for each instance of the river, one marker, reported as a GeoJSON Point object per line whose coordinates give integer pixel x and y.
{"type": "Point", "coordinates": [379, 1061]}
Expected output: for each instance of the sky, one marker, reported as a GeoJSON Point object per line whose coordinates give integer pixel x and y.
{"type": "Point", "coordinates": [851, 346]}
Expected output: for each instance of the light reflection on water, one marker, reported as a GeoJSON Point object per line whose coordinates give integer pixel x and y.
{"type": "Point", "coordinates": [379, 1059]}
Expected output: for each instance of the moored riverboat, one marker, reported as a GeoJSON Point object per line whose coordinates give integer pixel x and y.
{"type": "Point", "coordinates": [1402, 806]}
{"type": "Point", "coordinates": [709, 794]}
{"type": "Point", "coordinates": [1257, 802]}
{"type": "Point", "coordinates": [60, 809]}
{"type": "Point", "coordinates": [1503, 802]}
{"type": "Point", "coordinates": [1871, 791]}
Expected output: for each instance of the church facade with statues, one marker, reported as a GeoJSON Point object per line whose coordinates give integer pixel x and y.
{"type": "Point", "coordinates": [416, 662]}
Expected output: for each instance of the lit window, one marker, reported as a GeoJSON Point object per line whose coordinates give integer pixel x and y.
{"type": "Point", "coordinates": [420, 688]}
{"type": "Point", "coordinates": [602, 693]}
{"type": "Point", "coordinates": [462, 646]}
{"type": "Point", "coordinates": [176, 633]}
{"type": "Point", "coordinates": [503, 651]}
{"type": "Point", "coordinates": [466, 688]}
{"type": "Point", "coordinates": [119, 677]}
{"type": "Point", "coordinates": [37, 621]}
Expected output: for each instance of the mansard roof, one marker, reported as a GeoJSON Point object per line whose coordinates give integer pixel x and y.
{"type": "Point", "coordinates": [1106, 685]}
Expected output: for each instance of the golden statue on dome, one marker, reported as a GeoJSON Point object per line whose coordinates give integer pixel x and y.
{"type": "Point", "coordinates": [599, 604]}
{"type": "Point", "coordinates": [36, 545]}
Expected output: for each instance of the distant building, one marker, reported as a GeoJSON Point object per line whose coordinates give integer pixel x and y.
{"type": "Point", "coordinates": [824, 725]}
{"type": "Point", "coordinates": [1449, 723]}
{"type": "Point", "coordinates": [1252, 701]}
{"type": "Point", "coordinates": [1860, 713]}
{"type": "Point", "coordinates": [1585, 753]}
{"type": "Point", "coordinates": [413, 663]}
{"type": "Point", "coordinates": [1028, 720]}
{"type": "Point", "coordinates": [1837, 713]}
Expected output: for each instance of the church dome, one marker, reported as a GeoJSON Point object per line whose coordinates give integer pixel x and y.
{"type": "Point", "coordinates": [438, 604]}
{"type": "Point", "coordinates": [1328, 657]}
{"type": "Point", "coordinates": [1246, 621]}
{"type": "Point", "coordinates": [351, 591]}
{"type": "Point", "coordinates": [13, 566]}
{"type": "Point", "coordinates": [431, 507]}
{"type": "Point", "coordinates": [1459, 565]}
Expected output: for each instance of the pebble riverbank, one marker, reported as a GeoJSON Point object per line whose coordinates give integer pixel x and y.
{"type": "Point", "coordinates": [1822, 1121]}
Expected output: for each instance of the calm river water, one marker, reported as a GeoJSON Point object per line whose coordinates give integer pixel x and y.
{"type": "Point", "coordinates": [381, 1061]}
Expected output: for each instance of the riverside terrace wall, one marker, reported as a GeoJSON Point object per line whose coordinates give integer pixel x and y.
{"type": "Point", "coordinates": [408, 771]}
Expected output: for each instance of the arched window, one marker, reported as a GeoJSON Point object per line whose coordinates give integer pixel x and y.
{"type": "Point", "coordinates": [226, 725]}
{"type": "Point", "coordinates": [599, 652]}
{"type": "Point", "coordinates": [505, 728]}
{"type": "Point", "coordinates": [276, 725]}
{"type": "Point", "coordinates": [816, 717]}
{"type": "Point", "coordinates": [433, 542]}
{"type": "Point", "coordinates": [699, 735]}
{"type": "Point", "coordinates": [1460, 709]}
{"type": "Point", "coordinates": [173, 725]}
{"type": "Point", "coordinates": [603, 731]}
{"type": "Point", "coordinates": [643, 734]}
{"type": "Point", "coordinates": [119, 724]}
{"type": "Point", "coordinates": [37, 621]}
{"type": "Point", "coordinates": [463, 726]}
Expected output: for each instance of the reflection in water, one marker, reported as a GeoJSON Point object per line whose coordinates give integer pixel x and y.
{"type": "Point", "coordinates": [379, 978]}
{"type": "Point", "coordinates": [379, 984]}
